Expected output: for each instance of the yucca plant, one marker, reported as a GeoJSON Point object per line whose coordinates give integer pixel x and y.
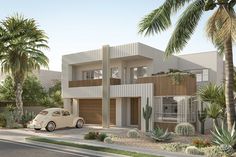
{"type": "Point", "coordinates": [160, 135]}
{"type": "Point", "coordinates": [222, 136]}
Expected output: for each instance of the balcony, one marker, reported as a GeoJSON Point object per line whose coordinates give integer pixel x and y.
{"type": "Point", "coordinates": [95, 82]}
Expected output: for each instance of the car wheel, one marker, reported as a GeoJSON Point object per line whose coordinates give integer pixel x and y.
{"type": "Point", "coordinates": [79, 124]}
{"type": "Point", "coordinates": [50, 126]}
{"type": "Point", "coordinates": [37, 128]}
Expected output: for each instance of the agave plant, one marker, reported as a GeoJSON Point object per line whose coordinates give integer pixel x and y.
{"type": "Point", "coordinates": [160, 135]}
{"type": "Point", "coordinates": [222, 136]}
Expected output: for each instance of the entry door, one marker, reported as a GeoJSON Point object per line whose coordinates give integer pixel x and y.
{"type": "Point", "coordinates": [135, 109]}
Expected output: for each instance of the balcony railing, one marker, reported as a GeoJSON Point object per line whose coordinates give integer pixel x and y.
{"type": "Point", "coordinates": [95, 82]}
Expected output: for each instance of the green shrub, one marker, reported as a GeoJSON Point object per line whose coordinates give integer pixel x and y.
{"type": "Point", "coordinates": [200, 143]}
{"type": "Point", "coordinates": [193, 150]}
{"type": "Point", "coordinates": [108, 140]}
{"type": "Point", "coordinates": [185, 129]}
{"type": "Point", "coordinates": [101, 136]}
{"type": "Point", "coordinates": [160, 135]}
{"type": "Point", "coordinates": [213, 151]}
{"type": "Point", "coordinates": [26, 117]}
{"type": "Point", "coordinates": [91, 136]}
{"type": "Point", "coordinates": [223, 136]}
{"type": "Point", "coordinates": [3, 121]}
{"type": "Point", "coordinates": [174, 147]}
{"type": "Point", "coordinates": [133, 134]}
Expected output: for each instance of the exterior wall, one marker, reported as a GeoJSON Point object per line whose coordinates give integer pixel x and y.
{"type": "Point", "coordinates": [206, 60]}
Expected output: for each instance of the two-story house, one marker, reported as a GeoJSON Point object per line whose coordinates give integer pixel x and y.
{"type": "Point", "coordinates": [110, 86]}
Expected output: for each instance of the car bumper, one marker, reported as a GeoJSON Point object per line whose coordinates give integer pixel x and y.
{"type": "Point", "coordinates": [34, 126]}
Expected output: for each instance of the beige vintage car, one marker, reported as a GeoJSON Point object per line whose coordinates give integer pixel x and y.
{"type": "Point", "coordinates": [54, 118]}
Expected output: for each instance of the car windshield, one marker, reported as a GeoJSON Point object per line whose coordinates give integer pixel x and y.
{"type": "Point", "coordinates": [43, 112]}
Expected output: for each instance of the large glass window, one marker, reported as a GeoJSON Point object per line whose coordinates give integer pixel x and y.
{"type": "Point", "coordinates": [169, 107]}
{"type": "Point", "coordinates": [137, 72]}
{"type": "Point", "coordinates": [114, 72]}
{"type": "Point", "coordinates": [92, 74]}
{"type": "Point", "coordinates": [201, 74]}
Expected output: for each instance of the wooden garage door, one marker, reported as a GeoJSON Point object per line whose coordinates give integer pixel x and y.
{"type": "Point", "coordinates": [91, 111]}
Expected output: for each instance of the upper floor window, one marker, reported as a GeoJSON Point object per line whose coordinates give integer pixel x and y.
{"type": "Point", "coordinates": [114, 72]}
{"type": "Point", "coordinates": [92, 74]}
{"type": "Point", "coordinates": [201, 74]}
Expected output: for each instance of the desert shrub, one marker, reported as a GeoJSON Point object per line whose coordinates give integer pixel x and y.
{"type": "Point", "coordinates": [193, 150]}
{"type": "Point", "coordinates": [200, 143]}
{"type": "Point", "coordinates": [221, 136]}
{"type": "Point", "coordinates": [91, 136]}
{"type": "Point", "coordinates": [185, 129]}
{"type": "Point", "coordinates": [160, 135]}
{"type": "Point", "coordinates": [174, 147]}
{"type": "Point", "coordinates": [108, 140]}
{"type": "Point", "coordinates": [213, 151]}
{"type": "Point", "coordinates": [101, 136]}
{"type": "Point", "coordinates": [133, 134]}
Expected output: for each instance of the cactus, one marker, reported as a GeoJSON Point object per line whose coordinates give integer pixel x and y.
{"type": "Point", "coordinates": [185, 129]}
{"type": "Point", "coordinates": [193, 150]}
{"type": "Point", "coordinates": [108, 140]}
{"type": "Point", "coordinates": [147, 112]}
{"type": "Point", "coordinates": [228, 149]}
{"type": "Point", "coordinates": [133, 134]}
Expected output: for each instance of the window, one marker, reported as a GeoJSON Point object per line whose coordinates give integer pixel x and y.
{"type": "Point", "coordinates": [205, 75]}
{"type": "Point", "coordinates": [114, 72]}
{"type": "Point", "coordinates": [169, 107]}
{"type": "Point", "coordinates": [65, 113]}
{"type": "Point", "coordinates": [92, 74]}
{"type": "Point", "coordinates": [137, 72]}
{"type": "Point", "coordinates": [43, 112]}
{"type": "Point", "coordinates": [199, 77]}
{"type": "Point", "coordinates": [56, 113]}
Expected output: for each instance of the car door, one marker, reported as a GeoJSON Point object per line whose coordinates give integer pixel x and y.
{"type": "Point", "coordinates": [67, 118]}
{"type": "Point", "coordinates": [57, 117]}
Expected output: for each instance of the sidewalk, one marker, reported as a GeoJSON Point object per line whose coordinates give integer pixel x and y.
{"type": "Point", "coordinates": [19, 135]}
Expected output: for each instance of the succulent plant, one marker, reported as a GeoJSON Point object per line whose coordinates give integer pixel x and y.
{"type": "Point", "coordinates": [133, 134]}
{"type": "Point", "coordinates": [193, 150]}
{"type": "Point", "coordinates": [227, 148]}
{"type": "Point", "coordinates": [174, 147]}
{"type": "Point", "coordinates": [223, 136]}
{"type": "Point", "coordinates": [147, 112]}
{"type": "Point", "coordinates": [185, 129]}
{"type": "Point", "coordinates": [108, 140]}
{"type": "Point", "coordinates": [160, 135]}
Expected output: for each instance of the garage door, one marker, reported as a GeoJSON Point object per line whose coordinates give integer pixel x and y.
{"type": "Point", "coordinates": [91, 111]}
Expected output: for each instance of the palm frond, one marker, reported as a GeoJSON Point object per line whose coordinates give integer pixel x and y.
{"type": "Point", "coordinates": [222, 26]}
{"type": "Point", "coordinates": [185, 27]}
{"type": "Point", "coordinates": [159, 19]}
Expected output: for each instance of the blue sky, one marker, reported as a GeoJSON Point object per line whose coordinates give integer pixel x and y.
{"type": "Point", "coordinates": [76, 25]}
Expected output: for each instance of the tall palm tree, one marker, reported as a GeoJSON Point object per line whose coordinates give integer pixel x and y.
{"type": "Point", "coordinates": [221, 29]}
{"type": "Point", "coordinates": [21, 45]}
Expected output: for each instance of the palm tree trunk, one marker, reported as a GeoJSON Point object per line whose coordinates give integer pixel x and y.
{"type": "Point", "coordinates": [229, 82]}
{"type": "Point", "coordinates": [19, 102]}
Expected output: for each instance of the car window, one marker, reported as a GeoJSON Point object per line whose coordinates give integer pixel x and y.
{"type": "Point", "coordinates": [65, 113]}
{"type": "Point", "coordinates": [56, 113]}
{"type": "Point", "coordinates": [43, 112]}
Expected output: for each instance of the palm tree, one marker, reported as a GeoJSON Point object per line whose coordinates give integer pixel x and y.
{"type": "Point", "coordinates": [21, 45]}
{"type": "Point", "coordinates": [221, 29]}
{"type": "Point", "coordinates": [214, 111]}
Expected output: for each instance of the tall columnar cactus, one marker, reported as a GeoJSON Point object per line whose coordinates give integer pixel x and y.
{"type": "Point", "coordinates": [147, 112]}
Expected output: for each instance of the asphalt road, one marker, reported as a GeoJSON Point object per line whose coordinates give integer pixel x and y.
{"type": "Point", "coordinates": [15, 149]}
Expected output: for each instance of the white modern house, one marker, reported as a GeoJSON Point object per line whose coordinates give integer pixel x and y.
{"type": "Point", "coordinates": [110, 85]}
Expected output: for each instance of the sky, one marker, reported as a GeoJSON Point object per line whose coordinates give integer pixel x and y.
{"type": "Point", "coordinates": [78, 25]}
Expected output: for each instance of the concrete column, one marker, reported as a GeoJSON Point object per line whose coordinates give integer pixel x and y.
{"type": "Point", "coordinates": [67, 104]}
{"type": "Point", "coordinates": [105, 86]}
{"type": "Point", "coordinates": [128, 112]}
{"type": "Point", "coordinates": [118, 111]}
{"type": "Point", "coordinates": [75, 107]}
